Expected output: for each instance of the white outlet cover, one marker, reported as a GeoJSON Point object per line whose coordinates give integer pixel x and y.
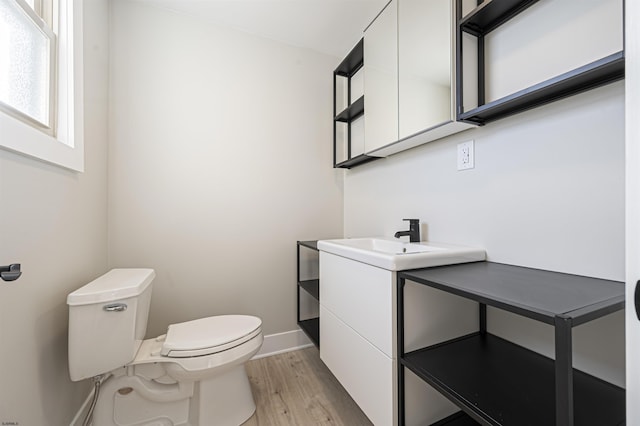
{"type": "Point", "coordinates": [466, 156]}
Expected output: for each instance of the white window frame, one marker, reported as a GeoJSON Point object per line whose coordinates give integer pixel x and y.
{"type": "Point", "coordinates": [66, 149]}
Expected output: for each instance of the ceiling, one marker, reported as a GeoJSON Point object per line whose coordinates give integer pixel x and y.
{"type": "Point", "coordinates": [327, 26]}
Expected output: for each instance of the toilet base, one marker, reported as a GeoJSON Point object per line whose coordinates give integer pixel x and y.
{"type": "Point", "coordinates": [223, 400]}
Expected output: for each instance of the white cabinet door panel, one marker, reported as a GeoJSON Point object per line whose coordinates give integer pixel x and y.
{"type": "Point", "coordinates": [364, 371]}
{"type": "Point", "coordinates": [362, 296]}
{"type": "Point", "coordinates": [381, 80]}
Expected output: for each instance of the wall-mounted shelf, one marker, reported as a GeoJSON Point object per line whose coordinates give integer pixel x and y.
{"type": "Point", "coordinates": [600, 72]}
{"type": "Point", "coordinates": [354, 110]}
{"type": "Point", "coordinates": [353, 62]}
{"type": "Point", "coordinates": [489, 15]}
{"type": "Point", "coordinates": [311, 326]}
{"type": "Point", "coordinates": [356, 161]}
{"type": "Point", "coordinates": [496, 382]}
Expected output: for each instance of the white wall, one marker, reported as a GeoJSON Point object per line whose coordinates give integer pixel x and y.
{"type": "Point", "coordinates": [220, 159]}
{"type": "Point", "coordinates": [547, 192]}
{"type": "Point", "coordinates": [54, 222]}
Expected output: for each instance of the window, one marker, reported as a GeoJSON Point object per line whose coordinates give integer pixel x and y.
{"type": "Point", "coordinates": [27, 64]}
{"type": "Point", "coordinates": [41, 80]}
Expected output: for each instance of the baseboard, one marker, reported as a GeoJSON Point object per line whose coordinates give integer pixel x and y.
{"type": "Point", "coordinates": [283, 342]}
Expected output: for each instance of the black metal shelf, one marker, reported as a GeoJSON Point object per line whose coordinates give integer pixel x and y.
{"type": "Point", "coordinates": [313, 244]}
{"type": "Point", "coordinates": [597, 73]}
{"type": "Point", "coordinates": [353, 62]}
{"type": "Point", "coordinates": [310, 326]}
{"type": "Point", "coordinates": [490, 14]}
{"type": "Point", "coordinates": [499, 383]}
{"type": "Point", "coordinates": [534, 293]}
{"type": "Point", "coordinates": [356, 161]}
{"type": "Point", "coordinates": [312, 287]}
{"type": "Point", "coordinates": [352, 112]}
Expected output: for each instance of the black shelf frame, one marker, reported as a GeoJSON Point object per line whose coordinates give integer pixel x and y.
{"type": "Point", "coordinates": [348, 68]}
{"type": "Point", "coordinates": [310, 326]}
{"type": "Point", "coordinates": [496, 382]}
{"type": "Point", "coordinates": [486, 17]}
{"type": "Point", "coordinates": [490, 14]}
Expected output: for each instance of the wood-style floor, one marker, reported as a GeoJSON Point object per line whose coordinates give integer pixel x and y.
{"type": "Point", "coordinates": [296, 388]}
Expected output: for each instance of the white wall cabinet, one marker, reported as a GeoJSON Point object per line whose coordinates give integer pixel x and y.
{"type": "Point", "coordinates": [409, 76]}
{"type": "Point", "coordinates": [425, 71]}
{"type": "Point", "coordinates": [381, 79]}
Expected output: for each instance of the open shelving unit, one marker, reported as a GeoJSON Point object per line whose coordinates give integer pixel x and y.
{"type": "Point", "coordinates": [354, 110]}
{"type": "Point", "coordinates": [489, 15]}
{"type": "Point", "coordinates": [311, 326]}
{"type": "Point", "coordinates": [496, 382]}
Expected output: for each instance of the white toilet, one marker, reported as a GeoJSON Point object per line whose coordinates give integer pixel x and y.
{"type": "Point", "coordinates": [194, 375]}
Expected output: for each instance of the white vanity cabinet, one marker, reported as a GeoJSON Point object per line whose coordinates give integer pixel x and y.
{"type": "Point", "coordinates": [357, 332]}
{"type": "Point", "coordinates": [358, 335]}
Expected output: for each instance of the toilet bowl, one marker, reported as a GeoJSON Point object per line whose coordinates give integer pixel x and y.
{"type": "Point", "coordinates": [193, 375]}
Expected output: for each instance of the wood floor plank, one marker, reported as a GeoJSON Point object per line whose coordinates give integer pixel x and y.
{"type": "Point", "coordinates": [297, 389]}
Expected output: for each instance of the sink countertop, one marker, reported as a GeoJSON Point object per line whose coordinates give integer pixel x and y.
{"type": "Point", "coordinates": [397, 255]}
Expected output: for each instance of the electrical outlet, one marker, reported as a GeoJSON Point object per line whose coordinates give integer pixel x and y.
{"type": "Point", "coordinates": [465, 155]}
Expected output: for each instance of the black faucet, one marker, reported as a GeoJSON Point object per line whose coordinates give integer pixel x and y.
{"type": "Point", "coordinates": [413, 232]}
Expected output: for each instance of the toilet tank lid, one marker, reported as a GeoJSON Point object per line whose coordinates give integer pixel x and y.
{"type": "Point", "coordinates": [117, 284]}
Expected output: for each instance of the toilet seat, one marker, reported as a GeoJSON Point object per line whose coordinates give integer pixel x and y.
{"type": "Point", "coordinates": [207, 336]}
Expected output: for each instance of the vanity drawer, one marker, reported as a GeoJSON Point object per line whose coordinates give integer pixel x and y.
{"type": "Point", "coordinates": [362, 296]}
{"type": "Point", "coordinates": [363, 370]}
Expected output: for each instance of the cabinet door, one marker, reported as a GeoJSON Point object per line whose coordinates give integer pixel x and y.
{"type": "Point", "coordinates": [425, 37]}
{"type": "Point", "coordinates": [364, 371]}
{"type": "Point", "coordinates": [381, 80]}
{"type": "Point", "coordinates": [362, 296]}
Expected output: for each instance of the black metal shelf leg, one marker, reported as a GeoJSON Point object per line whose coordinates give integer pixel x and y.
{"type": "Point", "coordinates": [298, 282]}
{"type": "Point", "coordinates": [564, 371]}
{"type": "Point", "coordinates": [483, 318]}
{"type": "Point", "coordinates": [400, 350]}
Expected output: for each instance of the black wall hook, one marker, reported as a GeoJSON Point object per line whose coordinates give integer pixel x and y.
{"type": "Point", "coordinates": [10, 272]}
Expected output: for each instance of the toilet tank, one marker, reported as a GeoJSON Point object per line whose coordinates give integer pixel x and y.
{"type": "Point", "coordinates": [108, 321]}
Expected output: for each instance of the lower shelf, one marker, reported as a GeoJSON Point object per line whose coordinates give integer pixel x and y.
{"type": "Point", "coordinates": [312, 287]}
{"type": "Point", "coordinates": [456, 419]}
{"type": "Point", "coordinates": [499, 383]}
{"type": "Point", "coordinates": [311, 328]}
{"type": "Point", "coordinates": [355, 161]}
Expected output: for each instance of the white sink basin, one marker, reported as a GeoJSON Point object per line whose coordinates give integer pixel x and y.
{"type": "Point", "coordinates": [396, 255]}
